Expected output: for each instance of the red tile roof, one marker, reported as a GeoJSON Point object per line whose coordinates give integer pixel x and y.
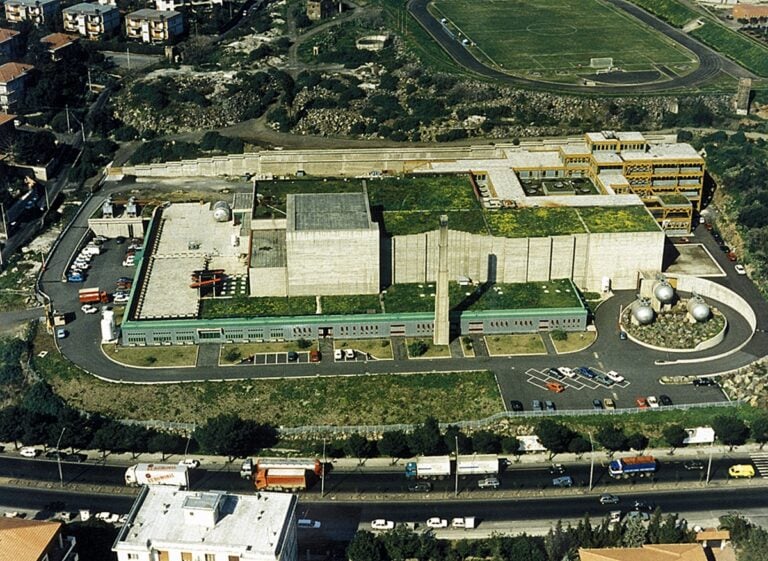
{"type": "Point", "coordinates": [25, 540]}
{"type": "Point", "coordinates": [12, 70]}
{"type": "Point", "coordinates": [58, 40]}
{"type": "Point", "coordinates": [6, 34]}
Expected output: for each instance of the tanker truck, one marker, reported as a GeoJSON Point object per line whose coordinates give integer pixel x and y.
{"type": "Point", "coordinates": [157, 474]}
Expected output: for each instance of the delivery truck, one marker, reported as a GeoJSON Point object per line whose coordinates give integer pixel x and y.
{"type": "Point", "coordinates": [157, 474]}
{"type": "Point", "coordinates": [92, 296]}
{"type": "Point", "coordinates": [250, 466]}
{"type": "Point", "coordinates": [439, 467]}
{"type": "Point", "coordinates": [281, 474]}
{"type": "Point", "coordinates": [634, 466]}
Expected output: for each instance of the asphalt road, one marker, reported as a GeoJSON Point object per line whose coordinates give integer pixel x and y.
{"type": "Point", "coordinates": [711, 63]}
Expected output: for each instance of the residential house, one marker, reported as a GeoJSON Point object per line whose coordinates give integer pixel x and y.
{"type": "Point", "coordinates": [154, 26]}
{"type": "Point", "coordinates": [658, 552]}
{"type": "Point", "coordinates": [37, 11]}
{"type": "Point", "coordinates": [7, 124]}
{"type": "Point", "coordinates": [92, 21]}
{"type": "Point", "coordinates": [320, 9]}
{"type": "Point", "coordinates": [166, 524]}
{"type": "Point", "coordinates": [13, 75]}
{"type": "Point", "coordinates": [9, 44]}
{"type": "Point", "coordinates": [58, 43]}
{"type": "Point", "coordinates": [35, 540]}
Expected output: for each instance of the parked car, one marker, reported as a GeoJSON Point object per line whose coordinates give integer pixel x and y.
{"type": "Point", "coordinates": [75, 277]}
{"type": "Point", "coordinates": [740, 269]}
{"type": "Point", "coordinates": [623, 335]}
{"type": "Point", "coordinates": [549, 405]}
{"type": "Point", "coordinates": [586, 372]}
{"type": "Point", "coordinates": [381, 524]}
{"type": "Point", "coordinates": [307, 523]}
{"type": "Point", "coordinates": [555, 373]}
{"type": "Point", "coordinates": [564, 481]}
{"type": "Point", "coordinates": [89, 309]}
{"type": "Point", "coordinates": [615, 376]}
{"type": "Point", "coordinates": [437, 522]}
{"type": "Point", "coordinates": [693, 465]}
{"type": "Point", "coordinates": [665, 400]}
{"type": "Point", "coordinates": [29, 452]}
{"type": "Point", "coordinates": [609, 403]}
{"type": "Point", "coordinates": [516, 405]}
{"type": "Point", "coordinates": [704, 382]}
{"type": "Point", "coordinates": [641, 402]}
{"type": "Point", "coordinates": [489, 483]}
{"type": "Point", "coordinates": [614, 517]}
{"type": "Point", "coordinates": [314, 355]}
{"type": "Point", "coordinates": [420, 487]}
{"type": "Point", "coordinates": [556, 387]}
{"type": "Point", "coordinates": [293, 356]}
{"type": "Point", "coordinates": [349, 354]}
{"type": "Point", "coordinates": [732, 256]}
{"type": "Point", "coordinates": [79, 458]}
{"type": "Point", "coordinates": [604, 380]}
{"type": "Point", "coordinates": [191, 463]}
{"type": "Point", "coordinates": [567, 372]}
{"type": "Point", "coordinates": [61, 333]}
{"type": "Point", "coordinates": [536, 405]}
{"type": "Point", "coordinates": [120, 240]}
{"type": "Point", "coordinates": [338, 354]}
{"type": "Point", "coordinates": [652, 401]}
{"type": "Point", "coordinates": [608, 499]}
{"type": "Point", "coordinates": [597, 404]}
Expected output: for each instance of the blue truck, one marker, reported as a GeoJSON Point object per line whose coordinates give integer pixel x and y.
{"type": "Point", "coordinates": [634, 466]}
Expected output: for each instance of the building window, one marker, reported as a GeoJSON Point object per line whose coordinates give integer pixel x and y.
{"type": "Point", "coordinates": [210, 557]}
{"type": "Point", "coordinates": [186, 556]}
{"type": "Point", "coordinates": [233, 558]}
{"type": "Point", "coordinates": [133, 556]}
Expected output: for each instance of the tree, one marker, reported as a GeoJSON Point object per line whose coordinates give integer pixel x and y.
{"type": "Point", "coordinates": [637, 441]}
{"type": "Point", "coordinates": [426, 438]}
{"type": "Point", "coordinates": [486, 442]}
{"type": "Point", "coordinates": [579, 445]}
{"type": "Point", "coordinates": [134, 439]}
{"type": "Point", "coordinates": [730, 430]}
{"type": "Point", "coordinates": [612, 438]}
{"type": "Point", "coordinates": [11, 430]}
{"type": "Point", "coordinates": [675, 435]}
{"type": "Point", "coordinates": [357, 446]}
{"type": "Point", "coordinates": [365, 547]}
{"type": "Point", "coordinates": [759, 429]}
{"type": "Point", "coordinates": [554, 436]}
{"type": "Point", "coordinates": [418, 348]}
{"type": "Point", "coordinates": [166, 443]}
{"type": "Point", "coordinates": [510, 445]}
{"type": "Point", "coordinates": [231, 436]}
{"type": "Point", "coordinates": [454, 435]}
{"type": "Point", "coordinates": [634, 533]}
{"type": "Point", "coordinates": [108, 438]}
{"type": "Point", "coordinates": [394, 444]}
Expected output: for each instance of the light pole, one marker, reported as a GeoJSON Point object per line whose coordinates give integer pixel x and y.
{"type": "Point", "coordinates": [322, 480]}
{"type": "Point", "coordinates": [709, 463]}
{"type": "Point", "coordinates": [591, 460]}
{"type": "Point", "coordinates": [58, 456]}
{"type": "Point", "coordinates": [457, 465]}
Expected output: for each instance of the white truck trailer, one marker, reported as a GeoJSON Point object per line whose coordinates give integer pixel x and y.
{"type": "Point", "coordinates": [482, 464]}
{"type": "Point", "coordinates": [429, 467]}
{"type": "Point", "coordinates": [157, 474]}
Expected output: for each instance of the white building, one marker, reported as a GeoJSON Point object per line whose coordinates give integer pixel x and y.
{"type": "Point", "coordinates": [167, 524]}
{"type": "Point", "coordinates": [92, 21]}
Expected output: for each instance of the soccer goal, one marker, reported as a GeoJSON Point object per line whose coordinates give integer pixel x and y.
{"type": "Point", "coordinates": [601, 62]}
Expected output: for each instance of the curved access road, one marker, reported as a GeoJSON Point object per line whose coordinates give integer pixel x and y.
{"type": "Point", "coordinates": [711, 63]}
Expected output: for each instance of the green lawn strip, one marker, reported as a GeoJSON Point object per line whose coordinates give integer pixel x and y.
{"type": "Point", "coordinates": [747, 52]}
{"type": "Point", "coordinates": [233, 353]}
{"type": "Point", "coordinates": [516, 344]}
{"type": "Point", "coordinates": [535, 222]}
{"type": "Point", "coordinates": [468, 347]}
{"type": "Point", "coordinates": [157, 357]}
{"type": "Point", "coordinates": [576, 341]}
{"type": "Point", "coordinates": [402, 223]}
{"type": "Point", "coordinates": [380, 349]}
{"type": "Point", "coordinates": [618, 219]}
{"type": "Point", "coordinates": [351, 304]}
{"type": "Point", "coordinates": [673, 12]}
{"type": "Point", "coordinates": [267, 306]}
{"type": "Point", "coordinates": [423, 192]}
{"type": "Point", "coordinates": [433, 351]}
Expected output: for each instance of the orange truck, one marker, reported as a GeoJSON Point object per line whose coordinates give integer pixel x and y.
{"type": "Point", "coordinates": [281, 474]}
{"type": "Point", "coordinates": [92, 296]}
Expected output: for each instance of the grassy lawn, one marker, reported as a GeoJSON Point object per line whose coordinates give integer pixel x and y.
{"type": "Point", "coordinates": [433, 351]}
{"type": "Point", "coordinates": [380, 349]}
{"type": "Point", "coordinates": [468, 347]}
{"type": "Point", "coordinates": [560, 293]}
{"type": "Point", "coordinates": [351, 304]}
{"type": "Point", "coordinates": [575, 341]}
{"type": "Point", "coordinates": [243, 306]}
{"type": "Point", "coordinates": [742, 49]}
{"type": "Point", "coordinates": [158, 357]}
{"type": "Point", "coordinates": [557, 37]}
{"type": "Point", "coordinates": [671, 11]}
{"type": "Point", "coordinates": [517, 344]}
{"type": "Point", "coordinates": [231, 353]}
{"type": "Point", "coordinates": [618, 219]}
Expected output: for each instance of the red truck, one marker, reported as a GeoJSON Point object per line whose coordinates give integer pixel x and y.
{"type": "Point", "coordinates": [93, 295]}
{"type": "Point", "coordinates": [281, 479]}
{"type": "Point", "coordinates": [281, 474]}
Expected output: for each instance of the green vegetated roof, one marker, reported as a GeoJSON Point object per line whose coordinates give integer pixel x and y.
{"type": "Point", "coordinates": [535, 222]}
{"type": "Point", "coordinates": [402, 223]}
{"type": "Point", "coordinates": [674, 199]}
{"type": "Point", "coordinates": [423, 192]}
{"type": "Point", "coordinates": [601, 220]}
{"type": "Point", "coordinates": [561, 293]}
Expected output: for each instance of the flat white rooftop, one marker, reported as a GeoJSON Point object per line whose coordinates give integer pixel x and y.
{"type": "Point", "coordinates": [254, 527]}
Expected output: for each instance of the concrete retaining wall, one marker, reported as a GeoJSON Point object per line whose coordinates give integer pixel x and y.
{"type": "Point", "coordinates": [711, 290]}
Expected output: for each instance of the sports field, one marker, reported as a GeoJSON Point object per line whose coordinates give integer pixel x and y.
{"type": "Point", "coordinates": [559, 37]}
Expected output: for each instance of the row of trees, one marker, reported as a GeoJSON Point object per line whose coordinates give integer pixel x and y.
{"type": "Point", "coordinates": [562, 542]}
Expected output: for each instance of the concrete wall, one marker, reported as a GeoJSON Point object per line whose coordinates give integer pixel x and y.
{"type": "Point", "coordinates": [585, 258]}
{"type": "Point", "coordinates": [712, 291]}
{"type": "Point", "coordinates": [333, 262]}
{"type": "Point", "coordinates": [113, 227]}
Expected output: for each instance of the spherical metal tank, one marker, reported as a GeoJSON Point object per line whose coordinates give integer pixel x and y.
{"type": "Point", "coordinates": [221, 211]}
{"type": "Point", "coordinates": [642, 312]}
{"type": "Point", "coordinates": [698, 309]}
{"type": "Point", "coordinates": [664, 292]}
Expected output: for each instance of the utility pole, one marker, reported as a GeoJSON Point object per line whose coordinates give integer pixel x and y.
{"type": "Point", "coordinates": [90, 85]}
{"type": "Point", "coordinates": [58, 456]}
{"type": "Point", "coordinates": [322, 480]}
{"type": "Point", "coordinates": [69, 129]}
{"type": "Point", "coordinates": [128, 53]}
{"type": "Point", "coordinates": [591, 461]}
{"type": "Point", "coordinates": [457, 465]}
{"type": "Point", "coordinates": [709, 463]}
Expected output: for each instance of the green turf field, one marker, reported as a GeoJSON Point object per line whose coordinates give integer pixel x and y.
{"type": "Point", "coordinates": [558, 37]}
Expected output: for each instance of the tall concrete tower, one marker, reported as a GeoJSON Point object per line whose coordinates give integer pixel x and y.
{"type": "Point", "coordinates": [441, 335]}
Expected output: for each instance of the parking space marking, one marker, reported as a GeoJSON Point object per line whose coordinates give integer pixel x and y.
{"type": "Point", "coordinates": [540, 378]}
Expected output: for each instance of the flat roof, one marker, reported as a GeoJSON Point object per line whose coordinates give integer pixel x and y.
{"type": "Point", "coordinates": [268, 248]}
{"type": "Point", "coordinates": [87, 8]}
{"type": "Point", "coordinates": [328, 211]}
{"type": "Point", "coordinates": [152, 14]}
{"type": "Point", "coordinates": [190, 239]}
{"type": "Point", "coordinates": [253, 526]}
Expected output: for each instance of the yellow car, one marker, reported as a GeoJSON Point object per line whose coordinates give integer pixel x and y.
{"type": "Point", "coordinates": [741, 470]}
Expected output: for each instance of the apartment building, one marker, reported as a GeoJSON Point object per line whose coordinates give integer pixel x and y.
{"type": "Point", "coordinates": [171, 5]}
{"type": "Point", "coordinates": [154, 26]}
{"type": "Point", "coordinates": [166, 524]}
{"type": "Point", "coordinates": [9, 44]}
{"type": "Point", "coordinates": [35, 540]}
{"type": "Point", "coordinates": [58, 43]}
{"type": "Point", "coordinates": [37, 11]}
{"type": "Point", "coordinates": [13, 76]}
{"type": "Point", "coordinates": [92, 21]}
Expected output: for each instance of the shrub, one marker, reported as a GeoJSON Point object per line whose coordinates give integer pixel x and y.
{"type": "Point", "coordinates": [418, 348]}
